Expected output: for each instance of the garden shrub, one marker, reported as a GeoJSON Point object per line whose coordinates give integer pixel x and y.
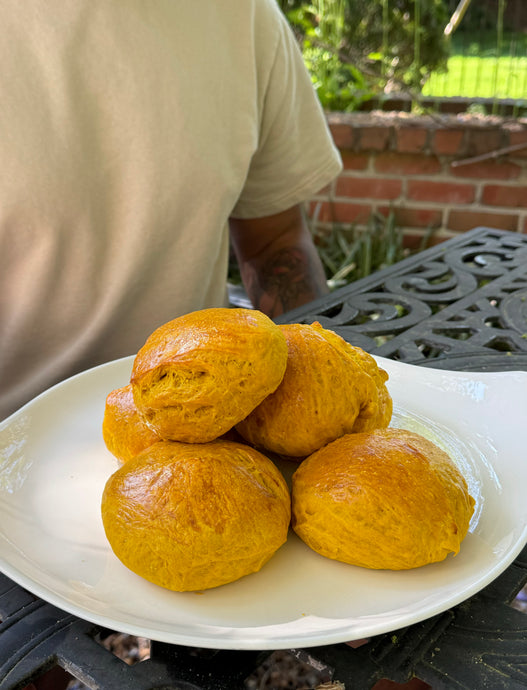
{"type": "Point", "coordinates": [356, 49]}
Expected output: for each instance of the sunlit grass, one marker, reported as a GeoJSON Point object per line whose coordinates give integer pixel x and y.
{"type": "Point", "coordinates": [481, 77]}
{"type": "Point", "coordinates": [480, 68]}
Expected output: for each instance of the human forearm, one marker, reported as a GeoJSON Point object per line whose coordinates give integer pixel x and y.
{"type": "Point", "coordinates": [286, 279]}
{"type": "Point", "coordinates": [279, 264]}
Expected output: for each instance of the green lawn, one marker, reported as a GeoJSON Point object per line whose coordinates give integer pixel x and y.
{"type": "Point", "coordinates": [481, 77]}
{"type": "Point", "coordinates": [474, 70]}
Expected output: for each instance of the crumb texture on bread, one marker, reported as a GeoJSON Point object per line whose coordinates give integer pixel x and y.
{"type": "Point", "coordinates": [200, 374]}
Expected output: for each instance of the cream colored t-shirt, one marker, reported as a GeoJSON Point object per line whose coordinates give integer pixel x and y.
{"type": "Point", "coordinates": [130, 130]}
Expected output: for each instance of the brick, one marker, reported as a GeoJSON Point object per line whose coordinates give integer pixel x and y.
{"type": "Point", "coordinates": [344, 212]}
{"type": "Point", "coordinates": [415, 239]}
{"type": "Point", "coordinates": [369, 187]}
{"type": "Point", "coordinates": [406, 164]}
{"type": "Point", "coordinates": [489, 170]}
{"type": "Point", "coordinates": [411, 139]}
{"type": "Point", "coordinates": [442, 192]}
{"type": "Point", "coordinates": [321, 210]}
{"type": "Point", "coordinates": [466, 220]}
{"type": "Point", "coordinates": [448, 142]}
{"type": "Point", "coordinates": [483, 141]}
{"type": "Point", "coordinates": [354, 161]}
{"type": "Point", "coordinates": [414, 217]}
{"type": "Point", "coordinates": [502, 195]}
{"type": "Point", "coordinates": [353, 213]}
{"type": "Point", "coordinates": [325, 191]}
{"type": "Point", "coordinates": [312, 208]}
{"type": "Point", "coordinates": [374, 138]}
{"type": "Point", "coordinates": [343, 135]}
{"type": "Point", "coordinates": [519, 138]}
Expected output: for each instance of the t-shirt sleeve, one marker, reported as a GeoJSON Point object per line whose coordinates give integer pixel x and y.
{"type": "Point", "coordinates": [295, 155]}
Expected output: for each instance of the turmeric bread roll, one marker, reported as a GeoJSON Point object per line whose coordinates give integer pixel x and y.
{"type": "Point", "coordinates": [328, 385]}
{"type": "Point", "coordinates": [123, 428]}
{"type": "Point", "coordinates": [378, 414]}
{"type": "Point", "coordinates": [382, 499]}
{"type": "Point", "coordinates": [195, 516]}
{"type": "Point", "coordinates": [200, 374]}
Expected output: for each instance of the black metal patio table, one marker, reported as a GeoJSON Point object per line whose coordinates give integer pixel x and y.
{"type": "Point", "coordinates": [461, 305]}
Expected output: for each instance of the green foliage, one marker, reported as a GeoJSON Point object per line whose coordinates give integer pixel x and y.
{"type": "Point", "coordinates": [320, 26]}
{"type": "Point", "coordinates": [339, 86]}
{"type": "Point", "coordinates": [349, 253]}
{"type": "Point", "coordinates": [401, 40]}
{"type": "Point", "coordinates": [355, 49]}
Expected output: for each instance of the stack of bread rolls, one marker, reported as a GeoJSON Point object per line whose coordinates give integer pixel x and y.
{"type": "Point", "coordinates": [190, 508]}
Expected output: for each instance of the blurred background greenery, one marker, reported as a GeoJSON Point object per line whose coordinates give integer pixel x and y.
{"type": "Point", "coordinates": [361, 51]}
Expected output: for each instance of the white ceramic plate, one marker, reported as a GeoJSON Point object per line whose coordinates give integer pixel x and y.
{"type": "Point", "coordinates": [53, 467]}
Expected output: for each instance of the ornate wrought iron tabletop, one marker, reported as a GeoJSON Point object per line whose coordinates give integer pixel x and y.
{"type": "Point", "coordinates": [464, 297]}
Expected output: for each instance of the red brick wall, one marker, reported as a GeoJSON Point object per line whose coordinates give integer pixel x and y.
{"type": "Point", "coordinates": [447, 173]}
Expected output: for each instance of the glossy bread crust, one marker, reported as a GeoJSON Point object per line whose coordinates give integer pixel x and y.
{"type": "Point", "coordinates": [124, 430]}
{"type": "Point", "coordinates": [195, 516]}
{"type": "Point", "coordinates": [383, 499]}
{"type": "Point", "coordinates": [200, 374]}
{"type": "Point", "coordinates": [329, 389]}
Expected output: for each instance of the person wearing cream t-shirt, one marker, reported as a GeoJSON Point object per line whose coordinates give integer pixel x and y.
{"type": "Point", "coordinates": [138, 139]}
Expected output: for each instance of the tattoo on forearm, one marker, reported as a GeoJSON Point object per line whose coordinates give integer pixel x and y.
{"type": "Point", "coordinates": [287, 280]}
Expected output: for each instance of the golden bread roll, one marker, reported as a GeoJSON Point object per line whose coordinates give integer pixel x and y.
{"type": "Point", "coordinates": [328, 385]}
{"type": "Point", "coordinates": [194, 516]}
{"type": "Point", "coordinates": [378, 414]}
{"type": "Point", "coordinates": [382, 499]}
{"type": "Point", "coordinates": [123, 428]}
{"type": "Point", "coordinates": [200, 374]}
